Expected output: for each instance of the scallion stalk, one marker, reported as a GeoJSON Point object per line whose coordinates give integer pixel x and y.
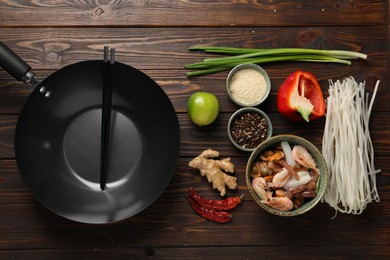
{"type": "Point", "coordinates": [260, 56]}
{"type": "Point", "coordinates": [267, 59]}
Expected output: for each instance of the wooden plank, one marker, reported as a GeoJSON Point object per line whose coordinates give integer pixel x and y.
{"type": "Point", "coordinates": [178, 87]}
{"type": "Point", "coordinates": [194, 139]}
{"type": "Point", "coordinates": [24, 221]}
{"type": "Point", "coordinates": [14, 191]}
{"type": "Point", "coordinates": [153, 48]}
{"type": "Point", "coordinates": [247, 252]}
{"type": "Point", "coordinates": [7, 129]}
{"type": "Point", "coordinates": [60, 47]}
{"type": "Point", "coordinates": [175, 224]}
{"type": "Point", "coordinates": [154, 36]}
{"type": "Point", "coordinates": [190, 13]}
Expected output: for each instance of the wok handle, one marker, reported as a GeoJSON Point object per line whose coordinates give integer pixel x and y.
{"type": "Point", "coordinates": [15, 65]}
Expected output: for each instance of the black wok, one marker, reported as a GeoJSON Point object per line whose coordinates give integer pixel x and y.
{"type": "Point", "coordinates": [58, 140]}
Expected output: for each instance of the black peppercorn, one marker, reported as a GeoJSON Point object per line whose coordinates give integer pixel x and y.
{"type": "Point", "coordinates": [249, 130]}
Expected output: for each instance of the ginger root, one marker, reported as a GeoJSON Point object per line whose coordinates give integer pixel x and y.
{"type": "Point", "coordinates": [213, 170]}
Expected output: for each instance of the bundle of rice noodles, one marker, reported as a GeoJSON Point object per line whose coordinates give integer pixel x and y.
{"type": "Point", "coordinates": [347, 147]}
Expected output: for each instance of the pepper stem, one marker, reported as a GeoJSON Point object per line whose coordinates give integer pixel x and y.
{"type": "Point", "coordinates": [305, 113]}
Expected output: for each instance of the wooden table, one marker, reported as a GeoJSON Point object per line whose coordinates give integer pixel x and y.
{"type": "Point", "coordinates": [154, 36]}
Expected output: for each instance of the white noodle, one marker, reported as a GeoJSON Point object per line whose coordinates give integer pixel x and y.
{"type": "Point", "coordinates": [347, 147]}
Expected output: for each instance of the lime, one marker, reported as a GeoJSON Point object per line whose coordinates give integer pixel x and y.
{"type": "Point", "coordinates": [203, 108]}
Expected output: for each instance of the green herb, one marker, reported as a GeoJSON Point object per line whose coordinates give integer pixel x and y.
{"type": "Point", "coordinates": [261, 56]}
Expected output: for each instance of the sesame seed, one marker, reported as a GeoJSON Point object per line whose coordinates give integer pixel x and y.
{"type": "Point", "coordinates": [247, 86]}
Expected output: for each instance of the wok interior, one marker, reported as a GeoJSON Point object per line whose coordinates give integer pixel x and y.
{"type": "Point", "coordinates": [57, 143]}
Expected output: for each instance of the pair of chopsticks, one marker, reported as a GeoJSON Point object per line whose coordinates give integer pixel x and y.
{"type": "Point", "coordinates": [108, 84]}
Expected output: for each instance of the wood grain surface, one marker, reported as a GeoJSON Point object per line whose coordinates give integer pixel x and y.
{"type": "Point", "coordinates": [154, 36]}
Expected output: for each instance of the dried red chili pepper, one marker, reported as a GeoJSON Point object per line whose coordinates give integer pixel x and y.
{"type": "Point", "coordinates": [300, 97]}
{"type": "Point", "coordinates": [226, 204]}
{"type": "Point", "coordinates": [213, 215]}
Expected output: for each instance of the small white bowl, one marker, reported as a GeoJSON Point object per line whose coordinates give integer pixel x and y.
{"type": "Point", "coordinates": [248, 91]}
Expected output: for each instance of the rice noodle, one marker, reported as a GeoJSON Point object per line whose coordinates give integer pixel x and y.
{"type": "Point", "coordinates": [347, 147]}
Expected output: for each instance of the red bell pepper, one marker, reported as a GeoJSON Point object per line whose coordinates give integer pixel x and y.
{"type": "Point", "coordinates": [300, 97]}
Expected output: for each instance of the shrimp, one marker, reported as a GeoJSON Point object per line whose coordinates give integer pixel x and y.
{"type": "Point", "coordinates": [259, 185]}
{"type": "Point", "coordinates": [283, 193]}
{"type": "Point", "coordinates": [290, 169]}
{"type": "Point", "coordinates": [279, 203]}
{"type": "Point", "coordinates": [298, 190]}
{"type": "Point", "coordinates": [275, 167]}
{"type": "Point", "coordinates": [281, 178]}
{"type": "Point", "coordinates": [303, 157]}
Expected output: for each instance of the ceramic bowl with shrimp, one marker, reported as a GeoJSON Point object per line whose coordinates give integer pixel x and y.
{"type": "Point", "coordinates": [286, 175]}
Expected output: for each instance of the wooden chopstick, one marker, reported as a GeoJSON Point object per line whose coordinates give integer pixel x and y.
{"type": "Point", "coordinates": [108, 85]}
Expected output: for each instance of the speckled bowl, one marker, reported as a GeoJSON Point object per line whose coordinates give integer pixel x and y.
{"type": "Point", "coordinates": [250, 66]}
{"type": "Point", "coordinates": [319, 159]}
{"type": "Point", "coordinates": [238, 113]}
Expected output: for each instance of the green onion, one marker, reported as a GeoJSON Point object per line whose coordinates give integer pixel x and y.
{"type": "Point", "coordinates": [260, 56]}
